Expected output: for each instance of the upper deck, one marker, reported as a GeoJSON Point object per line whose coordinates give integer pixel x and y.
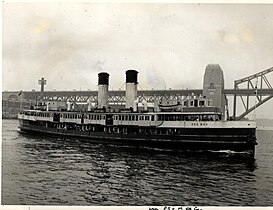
{"type": "Point", "coordinates": [142, 119]}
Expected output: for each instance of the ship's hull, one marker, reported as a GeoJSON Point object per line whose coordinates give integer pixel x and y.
{"type": "Point", "coordinates": [193, 139]}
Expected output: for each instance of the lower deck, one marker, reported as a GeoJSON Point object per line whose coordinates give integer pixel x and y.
{"type": "Point", "coordinates": [234, 139]}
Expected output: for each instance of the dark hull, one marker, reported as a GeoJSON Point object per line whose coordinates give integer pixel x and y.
{"type": "Point", "coordinates": [192, 139]}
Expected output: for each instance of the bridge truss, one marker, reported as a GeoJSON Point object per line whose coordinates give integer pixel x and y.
{"type": "Point", "coordinates": [257, 85]}
{"type": "Point", "coordinates": [115, 97]}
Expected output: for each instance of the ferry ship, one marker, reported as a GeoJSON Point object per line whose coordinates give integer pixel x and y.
{"type": "Point", "coordinates": [191, 123]}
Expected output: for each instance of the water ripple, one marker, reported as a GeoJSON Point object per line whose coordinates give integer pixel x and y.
{"type": "Point", "coordinates": [43, 171]}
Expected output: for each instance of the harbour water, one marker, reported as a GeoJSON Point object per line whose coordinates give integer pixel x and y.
{"type": "Point", "coordinates": [47, 171]}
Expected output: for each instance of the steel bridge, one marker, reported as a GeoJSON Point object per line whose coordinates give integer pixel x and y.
{"type": "Point", "coordinates": [257, 86]}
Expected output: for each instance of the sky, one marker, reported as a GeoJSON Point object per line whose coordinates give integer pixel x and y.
{"type": "Point", "coordinates": [168, 44]}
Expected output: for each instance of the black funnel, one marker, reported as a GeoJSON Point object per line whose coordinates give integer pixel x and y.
{"type": "Point", "coordinates": [131, 76]}
{"type": "Point", "coordinates": [103, 78]}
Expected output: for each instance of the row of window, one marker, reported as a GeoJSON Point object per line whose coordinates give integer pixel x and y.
{"type": "Point", "coordinates": [134, 117]}
{"type": "Point", "coordinates": [38, 114]}
{"type": "Point", "coordinates": [42, 114]}
{"type": "Point", "coordinates": [79, 116]}
{"type": "Point", "coordinates": [122, 117]}
{"type": "Point", "coordinates": [161, 117]}
{"type": "Point", "coordinates": [124, 130]}
{"type": "Point", "coordinates": [195, 103]}
{"type": "Point", "coordinates": [95, 117]}
{"type": "Point", "coordinates": [71, 116]}
{"type": "Point", "coordinates": [195, 117]}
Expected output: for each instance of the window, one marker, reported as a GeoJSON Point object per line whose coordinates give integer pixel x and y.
{"type": "Point", "coordinates": [195, 102]}
{"type": "Point", "coordinates": [202, 103]}
{"type": "Point", "coordinates": [211, 86]}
